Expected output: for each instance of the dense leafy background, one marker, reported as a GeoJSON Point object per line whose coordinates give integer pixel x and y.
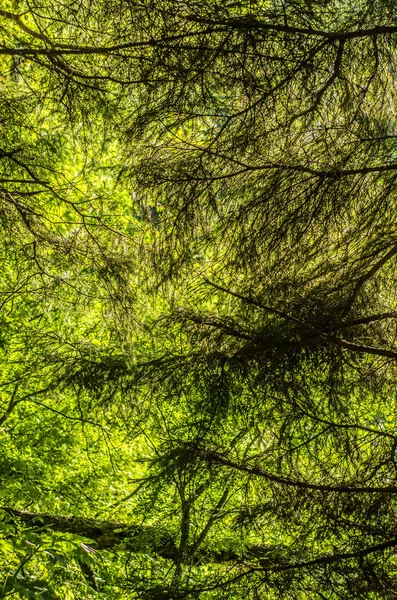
{"type": "Point", "coordinates": [198, 300]}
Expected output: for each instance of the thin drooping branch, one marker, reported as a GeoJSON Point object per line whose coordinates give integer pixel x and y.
{"type": "Point", "coordinates": [252, 23]}
{"type": "Point", "coordinates": [323, 336]}
{"type": "Point", "coordinates": [294, 168]}
{"type": "Point", "coordinates": [333, 558]}
{"type": "Point", "coordinates": [11, 405]}
{"type": "Point", "coordinates": [68, 49]}
{"type": "Point", "coordinates": [216, 458]}
{"type": "Point", "coordinates": [366, 320]}
{"type": "Point", "coordinates": [367, 276]}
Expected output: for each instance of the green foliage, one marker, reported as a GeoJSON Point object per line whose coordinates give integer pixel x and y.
{"type": "Point", "coordinates": [198, 300]}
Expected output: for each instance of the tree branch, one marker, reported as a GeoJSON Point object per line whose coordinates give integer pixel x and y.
{"type": "Point", "coordinates": [108, 535]}
{"type": "Point", "coordinates": [250, 22]}
{"type": "Point", "coordinates": [214, 457]}
{"type": "Point", "coordinates": [367, 276]}
{"type": "Point", "coordinates": [323, 336]}
{"type": "Point", "coordinates": [58, 49]}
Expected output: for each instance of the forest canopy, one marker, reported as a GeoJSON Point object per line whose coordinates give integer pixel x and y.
{"type": "Point", "coordinates": [198, 299]}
